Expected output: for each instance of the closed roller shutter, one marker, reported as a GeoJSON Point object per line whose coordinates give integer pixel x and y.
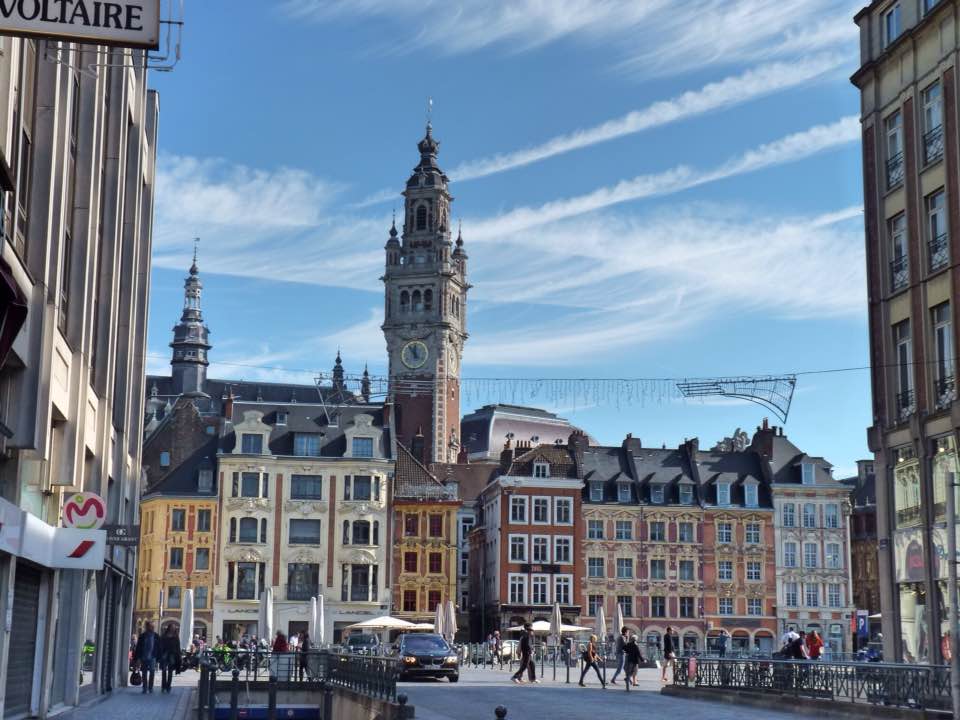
{"type": "Point", "coordinates": [23, 640]}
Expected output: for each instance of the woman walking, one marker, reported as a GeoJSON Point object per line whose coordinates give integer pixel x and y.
{"type": "Point", "coordinates": [669, 654]}
{"type": "Point", "coordinates": [169, 657]}
{"type": "Point", "coordinates": [590, 658]}
{"type": "Point", "coordinates": [632, 660]}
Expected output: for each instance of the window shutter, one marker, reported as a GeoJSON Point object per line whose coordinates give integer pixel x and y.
{"type": "Point", "coordinates": [266, 485]}
{"type": "Point", "coordinates": [346, 487]}
{"type": "Point", "coordinates": [236, 484]}
{"type": "Point", "coordinates": [376, 532]}
{"type": "Point", "coordinates": [230, 581]}
{"type": "Point", "coordinates": [263, 530]}
{"type": "Point", "coordinates": [346, 532]}
{"type": "Point", "coordinates": [261, 572]}
{"type": "Point", "coordinates": [376, 488]}
{"type": "Point", "coordinates": [233, 530]}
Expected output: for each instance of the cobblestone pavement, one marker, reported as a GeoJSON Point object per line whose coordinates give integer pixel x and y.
{"type": "Point", "coordinates": [131, 704]}
{"type": "Point", "coordinates": [479, 692]}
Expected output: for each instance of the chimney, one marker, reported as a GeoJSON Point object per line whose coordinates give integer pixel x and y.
{"type": "Point", "coordinates": [506, 456]}
{"type": "Point", "coordinates": [578, 441]}
{"type": "Point", "coordinates": [766, 424]}
{"type": "Point", "coordinates": [632, 445]}
{"type": "Point", "coordinates": [762, 442]}
{"type": "Point", "coordinates": [228, 398]}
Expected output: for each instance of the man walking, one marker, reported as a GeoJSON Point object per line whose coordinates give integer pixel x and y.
{"type": "Point", "coordinates": [621, 644]}
{"type": "Point", "coordinates": [526, 651]}
{"type": "Point", "coordinates": [146, 654]}
{"type": "Point", "coordinates": [722, 643]}
{"type": "Point", "coordinates": [632, 660]}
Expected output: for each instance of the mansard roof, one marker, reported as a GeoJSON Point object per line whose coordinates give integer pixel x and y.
{"type": "Point", "coordinates": [560, 458]}
{"type": "Point", "coordinates": [182, 480]}
{"type": "Point", "coordinates": [412, 479]}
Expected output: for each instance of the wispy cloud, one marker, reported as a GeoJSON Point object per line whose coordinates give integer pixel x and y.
{"type": "Point", "coordinates": [788, 149]}
{"type": "Point", "coordinates": [725, 93]}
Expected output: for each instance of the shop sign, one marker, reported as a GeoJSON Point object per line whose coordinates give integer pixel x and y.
{"type": "Point", "coordinates": [65, 548]}
{"type": "Point", "coordinates": [84, 511]}
{"type": "Point", "coordinates": [123, 535]}
{"type": "Point", "coordinates": [127, 23]}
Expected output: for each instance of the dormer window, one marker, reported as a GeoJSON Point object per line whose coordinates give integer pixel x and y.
{"type": "Point", "coordinates": [205, 480]}
{"type": "Point", "coordinates": [362, 447]}
{"type": "Point", "coordinates": [623, 493]}
{"type": "Point", "coordinates": [750, 495]}
{"type": "Point", "coordinates": [686, 494]}
{"type": "Point", "coordinates": [251, 443]}
{"type": "Point", "coordinates": [164, 459]}
{"type": "Point", "coordinates": [723, 493]}
{"type": "Point", "coordinates": [596, 492]}
{"type": "Point", "coordinates": [281, 417]}
{"type": "Point", "coordinates": [306, 444]}
{"type": "Point", "coordinates": [807, 476]}
{"type": "Point", "coordinates": [656, 493]}
{"type": "Point", "coordinates": [541, 470]}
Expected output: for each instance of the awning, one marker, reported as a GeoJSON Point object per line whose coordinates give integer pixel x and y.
{"type": "Point", "coordinates": [13, 310]}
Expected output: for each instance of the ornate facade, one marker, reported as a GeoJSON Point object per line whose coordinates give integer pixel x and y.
{"type": "Point", "coordinates": [425, 314]}
{"type": "Point", "coordinates": [303, 500]}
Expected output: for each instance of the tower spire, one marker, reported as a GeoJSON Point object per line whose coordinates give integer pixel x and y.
{"type": "Point", "coordinates": [190, 337]}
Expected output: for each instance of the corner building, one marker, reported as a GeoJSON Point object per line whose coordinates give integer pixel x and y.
{"type": "Point", "coordinates": [911, 165]}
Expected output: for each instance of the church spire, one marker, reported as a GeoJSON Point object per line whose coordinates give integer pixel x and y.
{"type": "Point", "coordinates": [365, 385]}
{"type": "Point", "coordinates": [338, 382]}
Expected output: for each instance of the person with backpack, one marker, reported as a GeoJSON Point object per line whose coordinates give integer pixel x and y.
{"type": "Point", "coordinates": [621, 644]}
{"type": "Point", "coordinates": [590, 660]}
{"type": "Point", "coordinates": [632, 660]}
{"type": "Point", "coordinates": [170, 657]}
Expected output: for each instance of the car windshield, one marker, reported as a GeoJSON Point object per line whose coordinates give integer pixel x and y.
{"type": "Point", "coordinates": [421, 643]}
{"type": "Point", "coordinates": [367, 640]}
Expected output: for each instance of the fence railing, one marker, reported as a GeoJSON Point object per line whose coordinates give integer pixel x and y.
{"type": "Point", "coordinates": [892, 684]}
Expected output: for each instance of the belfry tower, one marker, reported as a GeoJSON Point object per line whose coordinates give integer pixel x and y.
{"type": "Point", "coordinates": [425, 313]}
{"type": "Point", "coordinates": [190, 339]}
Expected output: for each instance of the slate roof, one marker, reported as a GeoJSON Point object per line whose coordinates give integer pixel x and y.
{"type": "Point", "coordinates": [182, 480]}
{"type": "Point", "coordinates": [733, 467]}
{"type": "Point", "coordinates": [413, 480]}
{"type": "Point", "coordinates": [484, 432]}
{"type": "Point", "coordinates": [786, 461]}
{"type": "Point", "coordinates": [641, 467]}
{"type": "Point", "coordinates": [330, 422]}
{"type": "Point", "coordinates": [560, 457]}
{"type": "Point", "coordinates": [471, 478]}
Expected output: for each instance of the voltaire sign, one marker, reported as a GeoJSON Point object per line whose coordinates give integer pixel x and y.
{"type": "Point", "coordinates": [130, 23]}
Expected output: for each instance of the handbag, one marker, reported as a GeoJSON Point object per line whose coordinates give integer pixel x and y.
{"type": "Point", "coordinates": [136, 679]}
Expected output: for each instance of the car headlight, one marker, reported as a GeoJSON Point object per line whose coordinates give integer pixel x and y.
{"type": "Point", "coordinates": [410, 660]}
{"type": "Point", "coordinates": [450, 660]}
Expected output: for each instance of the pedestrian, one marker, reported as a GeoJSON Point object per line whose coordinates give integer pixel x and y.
{"type": "Point", "coordinates": [169, 657]}
{"type": "Point", "coordinates": [621, 644]}
{"type": "Point", "coordinates": [280, 643]}
{"type": "Point", "coordinates": [632, 660]}
{"type": "Point", "coordinates": [722, 643]}
{"type": "Point", "coordinates": [303, 669]}
{"type": "Point", "coordinates": [526, 651]}
{"type": "Point", "coordinates": [814, 645]}
{"type": "Point", "coordinates": [293, 642]}
{"type": "Point", "coordinates": [669, 654]}
{"type": "Point", "coordinates": [590, 659]}
{"type": "Point", "coordinates": [146, 654]}
{"type": "Point", "coordinates": [491, 648]}
{"type": "Point", "coordinates": [795, 649]}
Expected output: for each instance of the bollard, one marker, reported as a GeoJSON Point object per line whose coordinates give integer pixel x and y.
{"type": "Point", "coordinates": [235, 695]}
{"type": "Point", "coordinates": [402, 700]}
{"type": "Point", "coordinates": [212, 693]}
{"type": "Point", "coordinates": [272, 698]}
{"type": "Point", "coordinates": [327, 693]}
{"type": "Point", "coordinates": [500, 712]}
{"type": "Point", "coordinates": [203, 689]}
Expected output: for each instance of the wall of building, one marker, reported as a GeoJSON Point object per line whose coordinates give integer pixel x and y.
{"type": "Point", "coordinates": [429, 587]}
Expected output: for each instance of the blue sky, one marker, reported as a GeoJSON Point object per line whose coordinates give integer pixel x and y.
{"type": "Point", "coordinates": [647, 189]}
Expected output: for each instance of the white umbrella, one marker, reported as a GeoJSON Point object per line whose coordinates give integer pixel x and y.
{"type": "Point", "coordinates": [542, 627]}
{"type": "Point", "coordinates": [423, 626]}
{"type": "Point", "coordinates": [601, 625]}
{"type": "Point", "coordinates": [556, 622]}
{"type": "Point", "coordinates": [450, 622]}
{"type": "Point", "coordinates": [619, 627]}
{"type": "Point", "coordinates": [186, 621]}
{"type": "Point", "coordinates": [312, 626]}
{"type": "Point", "coordinates": [321, 635]}
{"type": "Point", "coordinates": [265, 618]}
{"type": "Point", "coordinates": [384, 622]}
{"type": "Point", "coordinates": [439, 619]}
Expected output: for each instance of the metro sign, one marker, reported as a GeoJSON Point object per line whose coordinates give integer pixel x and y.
{"type": "Point", "coordinates": [84, 511]}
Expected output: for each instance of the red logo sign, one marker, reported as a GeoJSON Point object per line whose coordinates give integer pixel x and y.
{"type": "Point", "coordinates": [80, 550]}
{"type": "Point", "coordinates": [84, 511]}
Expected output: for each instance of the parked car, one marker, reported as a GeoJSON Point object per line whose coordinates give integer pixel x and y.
{"type": "Point", "coordinates": [510, 649]}
{"type": "Point", "coordinates": [427, 655]}
{"type": "Point", "coordinates": [362, 644]}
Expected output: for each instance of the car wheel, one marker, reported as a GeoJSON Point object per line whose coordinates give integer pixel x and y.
{"type": "Point", "coordinates": [454, 678]}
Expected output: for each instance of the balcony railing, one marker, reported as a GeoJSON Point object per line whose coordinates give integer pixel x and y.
{"type": "Point", "coordinates": [939, 252]}
{"type": "Point", "coordinates": [895, 171]}
{"type": "Point", "coordinates": [302, 591]}
{"type": "Point", "coordinates": [899, 273]}
{"type": "Point", "coordinates": [946, 391]}
{"type": "Point", "coordinates": [933, 144]}
{"type": "Point", "coordinates": [906, 404]}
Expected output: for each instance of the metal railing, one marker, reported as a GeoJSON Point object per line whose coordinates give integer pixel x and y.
{"type": "Point", "coordinates": [906, 404]}
{"type": "Point", "coordinates": [891, 684]}
{"type": "Point", "coordinates": [899, 273]}
{"type": "Point", "coordinates": [938, 252]}
{"type": "Point", "coordinates": [946, 392]}
{"type": "Point", "coordinates": [933, 144]}
{"type": "Point", "coordinates": [895, 171]}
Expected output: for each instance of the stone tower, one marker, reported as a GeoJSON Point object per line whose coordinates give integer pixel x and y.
{"type": "Point", "coordinates": [425, 313]}
{"type": "Point", "coordinates": [190, 339]}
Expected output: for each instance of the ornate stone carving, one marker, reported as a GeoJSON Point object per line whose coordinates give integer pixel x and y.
{"type": "Point", "coordinates": [242, 554]}
{"type": "Point", "coordinates": [247, 504]}
{"type": "Point", "coordinates": [305, 507]}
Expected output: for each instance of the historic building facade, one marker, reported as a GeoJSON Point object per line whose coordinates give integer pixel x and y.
{"type": "Point", "coordinates": [304, 490]}
{"type": "Point", "coordinates": [911, 160]}
{"type": "Point", "coordinates": [812, 534]}
{"type": "Point", "coordinates": [864, 570]}
{"type": "Point", "coordinates": [425, 314]}
{"type": "Point", "coordinates": [527, 543]}
{"type": "Point", "coordinates": [424, 545]}
{"type": "Point", "coordinates": [77, 174]}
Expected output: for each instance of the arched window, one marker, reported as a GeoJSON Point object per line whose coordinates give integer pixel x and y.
{"type": "Point", "coordinates": [422, 217]}
{"type": "Point", "coordinates": [428, 300]}
{"type": "Point", "coordinates": [417, 302]}
{"type": "Point", "coordinates": [248, 530]}
{"type": "Point", "coordinates": [404, 301]}
{"type": "Point", "coordinates": [361, 532]}
{"type": "Point", "coordinates": [346, 532]}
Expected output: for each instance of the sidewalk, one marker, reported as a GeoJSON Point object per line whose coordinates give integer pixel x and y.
{"type": "Point", "coordinates": [129, 702]}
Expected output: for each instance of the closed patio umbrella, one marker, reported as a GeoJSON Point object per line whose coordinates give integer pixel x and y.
{"type": "Point", "coordinates": [438, 620]}
{"type": "Point", "coordinates": [619, 627]}
{"type": "Point", "coordinates": [601, 625]}
{"type": "Point", "coordinates": [265, 618]}
{"type": "Point", "coordinates": [312, 629]}
{"type": "Point", "coordinates": [450, 622]}
{"type": "Point", "coordinates": [186, 621]}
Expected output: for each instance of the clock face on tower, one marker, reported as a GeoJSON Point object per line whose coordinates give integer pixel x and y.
{"type": "Point", "coordinates": [414, 354]}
